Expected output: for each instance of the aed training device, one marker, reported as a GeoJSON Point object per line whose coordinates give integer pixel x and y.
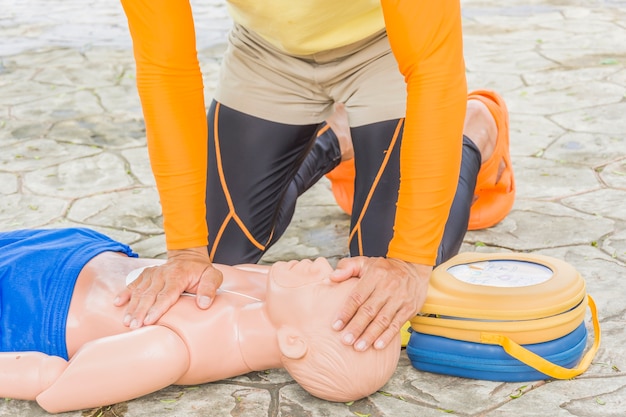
{"type": "Point", "coordinates": [504, 317]}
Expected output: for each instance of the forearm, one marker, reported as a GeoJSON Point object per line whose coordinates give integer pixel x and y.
{"type": "Point", "coordinates": [427, 41]}
{"type": "Point", "coordinates": [170, 86]}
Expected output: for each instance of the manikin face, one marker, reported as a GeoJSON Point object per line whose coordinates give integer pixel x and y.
{"type": "Point", "coordinates": [300, 292]}
{"type": "Point", "coordinates": [302, 303]}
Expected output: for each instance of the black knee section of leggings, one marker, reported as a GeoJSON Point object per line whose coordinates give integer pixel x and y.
{"type": "Point", "coordinates": [256, 170]}
{"type": "Point", "coordinates": [324, 155]}
{"type": "Point", "coordinates": [251, 162]}
{"type": "Point", "coordinates": [374, 209]}
{"type": "Point", "coordinates": [458, 219]}
{"type": "Point", "coordinates": [377, 163]}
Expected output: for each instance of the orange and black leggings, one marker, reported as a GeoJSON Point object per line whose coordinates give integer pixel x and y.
{"type": "Point", "coordinates": [258, 168]}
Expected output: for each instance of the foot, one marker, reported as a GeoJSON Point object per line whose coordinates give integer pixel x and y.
{"type": "Point", "coordinates": [481, 128]}
{"type": "Point", "coordinates": [340, 125]}
{"type": "Point", "coordinates": [487, 125]}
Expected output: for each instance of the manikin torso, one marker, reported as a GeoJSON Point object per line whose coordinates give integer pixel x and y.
{"type": "Point", "coordinates": [92, 316]}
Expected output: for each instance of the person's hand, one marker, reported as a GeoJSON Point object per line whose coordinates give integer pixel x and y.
{"type": "Point", "coordinates": [158, 288]}
{"type": "Point", "coordinates": [389, 293]}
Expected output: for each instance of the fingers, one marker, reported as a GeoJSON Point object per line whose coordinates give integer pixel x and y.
{"type": "Point", "coordinates": [381, 331]}
{"type": "Point", "coordinates": [210, 281]}
{"type": "Point", "coordinates": [375, 315]}
{"type": "Point", "coordinates": [348, 268]}
{"type": "Point", "coordinates": [159, 298]}
{"type": "Point", "coordinates": [150, 297]}
{"type": "Point", "coordinates": [353, 305]}
{"type": "Point", "coordinates": [158, 288]}
{"type": "Point", "coordinates": [389, 293]}
{"type": "Point", "coordinates": [123, 297]}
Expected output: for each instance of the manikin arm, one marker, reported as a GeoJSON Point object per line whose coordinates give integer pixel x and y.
{"type": "Point", "coordinates": [117, 368]}
{"type": "Point", "coordinates": [23, 375]}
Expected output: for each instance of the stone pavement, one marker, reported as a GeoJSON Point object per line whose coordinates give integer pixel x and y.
{"type": "Point", "coordinates": [72, 152]}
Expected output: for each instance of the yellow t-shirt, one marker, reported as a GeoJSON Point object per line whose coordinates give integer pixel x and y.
{"type": "Point", "coordinates": [304, 27]}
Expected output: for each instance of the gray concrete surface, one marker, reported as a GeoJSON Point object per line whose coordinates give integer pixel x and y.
{"type": "Point", "coordinates": [72, 152]}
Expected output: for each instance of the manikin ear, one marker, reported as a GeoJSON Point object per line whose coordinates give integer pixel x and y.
{"type": "Point", "coordinates": [291, 342]}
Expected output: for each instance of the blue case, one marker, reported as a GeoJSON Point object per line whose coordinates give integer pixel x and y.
{"type": "Point", "coordinates": [490, 362]}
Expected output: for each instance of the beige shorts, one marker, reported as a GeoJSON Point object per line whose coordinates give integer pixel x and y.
{"type": "Point", "coordinates": [258, 79]}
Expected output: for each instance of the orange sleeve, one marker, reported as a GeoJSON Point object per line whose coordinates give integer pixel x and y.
{"type": "Point", "coordinates": [170, 86]}
{"type": "Point", "coordinates": [426, 39]}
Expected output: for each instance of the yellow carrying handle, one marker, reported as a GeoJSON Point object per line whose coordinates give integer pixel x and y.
{"type": "Point", "coordinates": [537, 362]}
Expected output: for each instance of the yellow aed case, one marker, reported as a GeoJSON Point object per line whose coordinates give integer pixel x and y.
{"type": "Point", "coordinates": [522, 315]}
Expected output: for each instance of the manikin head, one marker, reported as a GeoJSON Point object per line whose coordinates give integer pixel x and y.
{"type": "Point", "coordinates": [302, 303]}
